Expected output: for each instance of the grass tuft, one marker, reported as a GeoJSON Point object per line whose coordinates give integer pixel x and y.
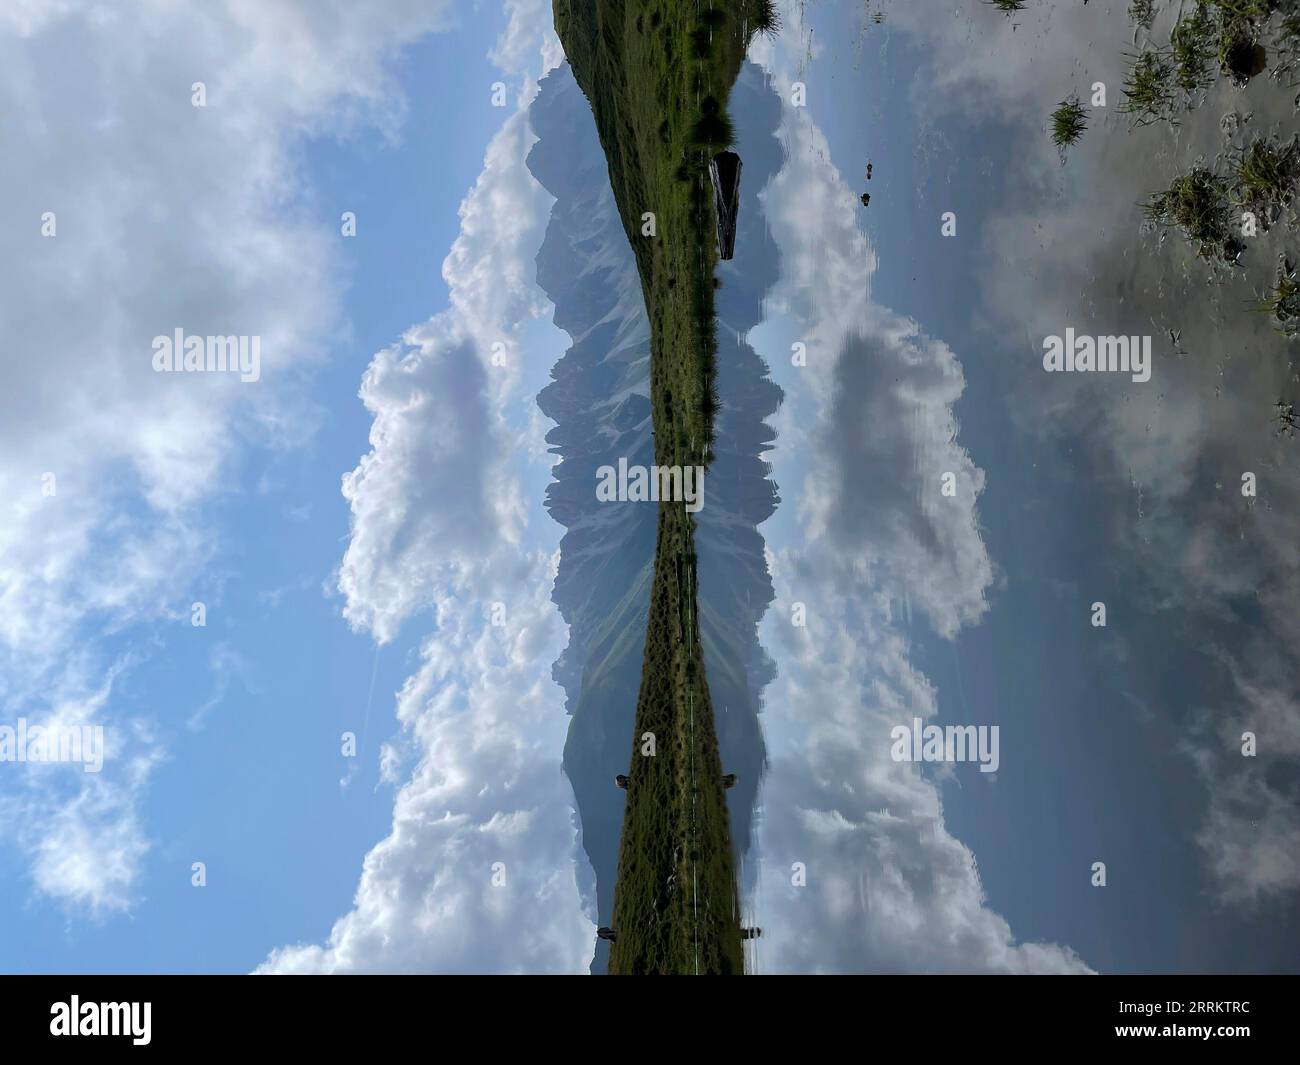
{"type": "Point", "coordinates": [1192, 44]}
{"type": "Point", "coordinates": [1142, 12]}
{"type": "Point", "coordinates": [1198, 204]}
{"type": "Point", "coordinates": [766, 18]}
{"type": "Point", "coordinates": [1282, 303]}
{"type": "Point", "coordinates": [1069, 121]}
{"type": "Point", "coordinates": [1285, 416]}
{"type": "Point", "coordinates": [1149, 88]}
{"type": "Point", "coordinates": [1265, 176]}
{"type": "Point", "coordinates": [1241, 56]}
{"type": "Point", "coordinates": [712, 128]}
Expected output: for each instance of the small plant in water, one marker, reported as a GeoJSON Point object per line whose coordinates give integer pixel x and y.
{"type": "Point", "coordinates": [1265, 175]}
{"type": "Point", "coordinates": [1149, 88]}
{"type": "Point", "coordinates": [1283, 302]}
{"type": "Point", "coordinates": [1285, 416]}
{"type": "Point", "coordinates": [1009, 6]}
{"type": "Point", "coordinates": [1192, 43]}
{"type": "Point", "coordinates": [1142, 12]}
{"type": "Point", "coordinates": [1069, 121]}
{"type": "Point", "coordinates": [1198, 204]}
{"type": "Point", "coordinates": [1241, 56]}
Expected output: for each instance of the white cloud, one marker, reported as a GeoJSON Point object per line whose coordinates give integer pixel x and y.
{"type": "Point", "coordinates": [168, 216]}
{"type": "Point", "coordinates": [438, 525]}
{"type": "Point", "coordinates": [881, 394]}
{"type": "Point", "coordinates": [888, 887]}
{"type": "Point", "coordinates": [485, 726]}
{"type": "Point", "coordinates": [436, 497]}
{"type": "Point", "coordinates": [1063, 245]}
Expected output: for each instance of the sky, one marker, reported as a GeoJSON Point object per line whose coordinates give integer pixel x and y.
{"type": "Point", "coordinates": [365, 526]}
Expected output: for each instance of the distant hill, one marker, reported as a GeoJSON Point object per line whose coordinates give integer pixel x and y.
{"type": "Point", "coordinates": [658, 78]}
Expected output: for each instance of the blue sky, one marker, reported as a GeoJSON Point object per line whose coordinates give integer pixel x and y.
{"type": "Point", "coordinates": [1102, 731]}
{"type": "Point", "coordinates": [351, 521]}
{"type": "Point", "coordinates": [254, 789]}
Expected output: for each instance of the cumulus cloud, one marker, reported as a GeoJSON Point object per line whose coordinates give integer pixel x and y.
{"type": "Point", "coordinates": [437, 497]}
{"type": "Point", "coordinates": [477, 873]}
{"type": "Point", "coordinates": [883, 393]}
{"type": "Point", "coordinates": [888, 888]}
{"type": "Point", "coordinates": [1065, 246]}
{"type": "Point", "coordinates": [156, 215]}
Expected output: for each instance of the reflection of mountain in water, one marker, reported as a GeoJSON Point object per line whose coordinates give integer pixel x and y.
{"type": "Point", "coordinates": [599, 399]}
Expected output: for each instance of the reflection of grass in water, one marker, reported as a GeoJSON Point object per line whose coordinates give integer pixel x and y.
{"type": "Point", "coordinates": [1265, 176]}
{"type": "Point", "coordinates": [1283, 302]}
{"type": "Point", "coordinates": [713, 130]}
{"type": "Point", "coordinates": [1069, 121]}
{"type": "Point", "coordinates": [1197, 203]}
{"type": "Point", "coordinates": [1149, 88]}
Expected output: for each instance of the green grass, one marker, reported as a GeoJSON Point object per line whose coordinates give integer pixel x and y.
{"type": "Point", "coordinates": [1009, 6]}
{"type": "Point", "coordinates": [1209, 38]}
{"type": "Point", "coordinates": [1282, 303]}
{"type": "Point", "coordinates": [1207, 206]}
{"type": "Point", "coordinates": [1142, 12]}
{"type": "Point", "coordinates": [1198, 204]}
{"type": "Point", "coordinates": [1149, 88]}
{"type": "Point", "coordinates": [1241, 56]}
{"type": "Point", "coordinates": [1265, 176]}
{"type": "Point", "coordinates": [1255, 10]}
{"type": "Point", "coordinates": [658, 75]}
{"type": "Point", "coordinates": [1192, 44]}
{"type": "Point", "coordinates": [1069, 121]}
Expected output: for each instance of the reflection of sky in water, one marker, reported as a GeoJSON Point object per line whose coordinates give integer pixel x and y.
{"type": "Point", "coordinates": [1118, 744]}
